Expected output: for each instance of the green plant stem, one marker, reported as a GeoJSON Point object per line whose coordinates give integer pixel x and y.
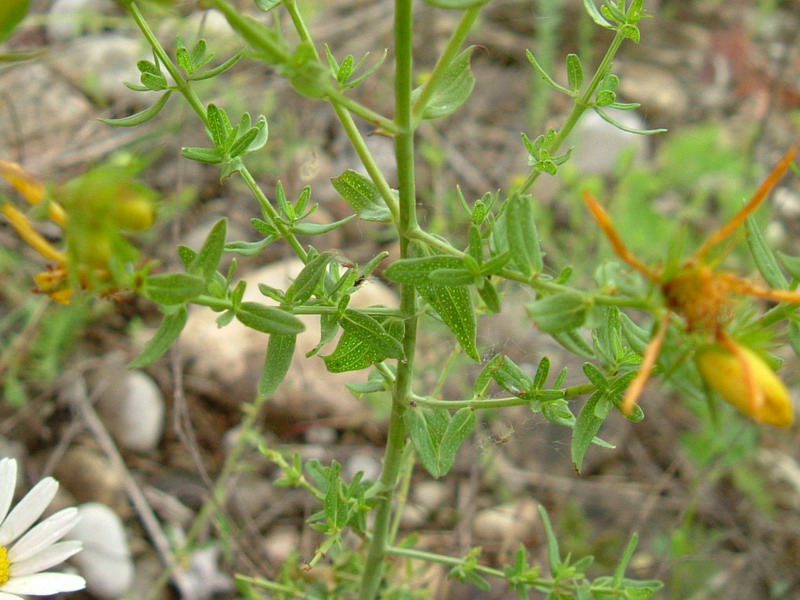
{"type": "Point", "coordinates": [582, 102]}
{"type": "Point", "coordinates": [342, 106]}
{"type": "Point", "coordinates": [275, 587]}
{"type": "Point", "coordinates": [448, 54]}
{"type": "Point", "coordinates": [396, 438]}
{"type": "Point", "coordinates": [442, 559]}
{"type": "Point", "coordinates": [364, 154]}
{"type": "Point", "coordinates": [479, 403]}
{"type": "Point", "coordinates": [385, 126]}
{"type": "Point", "coordinates": [181, 83]}
{"type": "Point", "coordinates": [299, 24]}
{"type": "Point", "coordinates": [244, 172]}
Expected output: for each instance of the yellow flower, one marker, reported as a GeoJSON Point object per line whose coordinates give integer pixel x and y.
{"type": "Point", "coordinates": [743, 379]}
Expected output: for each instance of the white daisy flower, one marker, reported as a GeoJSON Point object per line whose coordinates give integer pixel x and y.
{"type": "Point", "coordinates": [24, 551]}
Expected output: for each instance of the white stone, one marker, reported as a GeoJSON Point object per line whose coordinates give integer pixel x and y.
{"type": "Point", "coordinates": [599, 145]}
{"type": "Point", "coordinates": [105, 561]}
{"type": "Point", "coordinates": [362, 463]}
{"type": "Point", "coordinates": [430, 494]}
{"type": "Point", "coordinates": [510, 523]}
{"type": "Point", "coordinates": [138, 421]}
{"type": "Point", "coordinates": [70, 19]}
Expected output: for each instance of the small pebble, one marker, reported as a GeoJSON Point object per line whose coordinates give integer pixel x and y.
{"type": "Point", "coordinates": [105, 561]}
{"type": "Point", "coordinates": [362, 462]}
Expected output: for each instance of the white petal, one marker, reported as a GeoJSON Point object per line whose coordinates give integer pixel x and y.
{"type": "Point", "coordinates": [10, 597]}
{"type": "Point", "coordinates": [28, 510]}
{"type": "Point", "coordinates": [45, 533]}
{"type": "Point", "coordinates": [8, 481]}
{"type": "Point", "coordinates": [45, 559]}
{"type": "Point", "coordinates": [42, 584]}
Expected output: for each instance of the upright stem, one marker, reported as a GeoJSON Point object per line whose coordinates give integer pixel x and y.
{"type": "Point", "coordinates": [396, 439]}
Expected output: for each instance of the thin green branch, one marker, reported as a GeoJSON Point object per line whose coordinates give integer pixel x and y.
{"type": "Point", "coordinates": [486, 403]}
{"type": "Point", "coordinates": [448, 54]}
{"type": "Point", "coordinates": [582, 102]}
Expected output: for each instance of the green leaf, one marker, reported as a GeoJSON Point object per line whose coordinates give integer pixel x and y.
{"type": "Point", "coordinates": [319, 228]}
{"type": "Point", "coordinates": [267, 5]}
{"type": "Point", "coordinates": [456, 4]}
{"type": "Point", "coordinates": [586, 427]}
{"type": "Point", "coordinates": [416, 271]}
{"type": "Point", "coordinates": [207, 260]}
{"type": "Point", "coordinates": [216, 70]}
{"type": "Point", "coordinates": [168, 331]}
{"type": "Point", "coordinates": [595, 14]}
{"type": "Point", "coordinates": [183, 60]}
{"type": "Point", "coordinates": [559, 312]}
{"type": "Point", "coordinates": [574, 72]}
{"type": "Point", "coordinates": [451, 277]}
{"type": "Point", "coordinates": [573, 341]}
{"type": "Point", "coordinates": [489, 295]}
{"type": "Point", "coordinates": [452, 90]}
{"type": "Point", "coordinates": [218, 126]}
{"type": "Point", "coordinates": [510, 377]}
{"type": "Point", "coordinates": [763, 256]}
{"type": "Point", "coordinates": [363, 343]}
{"type": "Point", "coordinates": [553, 552]}
{"type": "Point", "coordinates": [622, 127]}
{"type": "Point", "coordinates": [368, 328]}
{"type": "Point", "coordinates": [243, 142]}
{"type": "Point", "coordinates": [140, 117]}
{"type": "Point", "coordinates": [437, 435]}
{"type": "Point", "coordinates": [362, 196]}
{"type": "Point", "coordinates": [543, 74]}
{"type": "Point", "coordinates": [523, 238]}
{"type": "Point", "coordinates": [269, 319]}
{"type": "Point", "coordinates": [248, 248]}
{"type": "Point", "coordinates": [173, 288]}
{"type": "Point", "coordinates": [205, 155]}
{"type": "Point", "coordinates": [790, 263]}
{"type": "Point", "coordinates": [352, 353]}
{"type": "Point", "coordinates": [11, 14]}
{"type": "Point", "coordinates": [276, 364]}
{"type": "Point", "coordinates": [307, 280]}
{"type": "Point", "coordinates": [453, 303]}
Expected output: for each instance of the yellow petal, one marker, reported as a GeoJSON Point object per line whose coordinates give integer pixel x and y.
{"type": "Point", "coordinates": [725, 373]}
{"type": "Point", "coordinates": [30, 235]}
{"type": "Point", "coordinates": [31, 189]}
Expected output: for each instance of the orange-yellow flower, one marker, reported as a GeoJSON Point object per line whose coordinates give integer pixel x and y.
{"type": "Point", "coordinates": [743, 379]}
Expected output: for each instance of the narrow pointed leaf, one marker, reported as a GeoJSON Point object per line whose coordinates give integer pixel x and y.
{"type": "Point", "coordinates": [371, 330]}
{"type": "Point", "coordinates": [307, 280]}
{"type": "Point", "coordinates": [140, 117]}
{"type": "Point", "coordinates": [173, 288]}
{"type": "Point", "coordinates": [417, 271]}
{"type": "Point", "coordinates": [523, 238]}
{"type": "Point", "coordinates": [269, 319]}
{"type": "Point", "coordinates": [207, 260]}
{"type": "Point", "coordinates": [453, 89]}
{"type": "Point", "coordinates": [362, 196]}
{"type": "Point", "coordinates": [558, 313]}
{"type": "Point", "coordinates": [763, 256]}
{"type": "Point", "coordinates": [168, 331]}
{"type": "Point", "coordinates": [276, 364]}
{"type": "Point", "coordinates": [586, 427]}
{"type": "Point", "coordinates": [453, 303]}
{"type": "Point", "coordinates": [426, 427]}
